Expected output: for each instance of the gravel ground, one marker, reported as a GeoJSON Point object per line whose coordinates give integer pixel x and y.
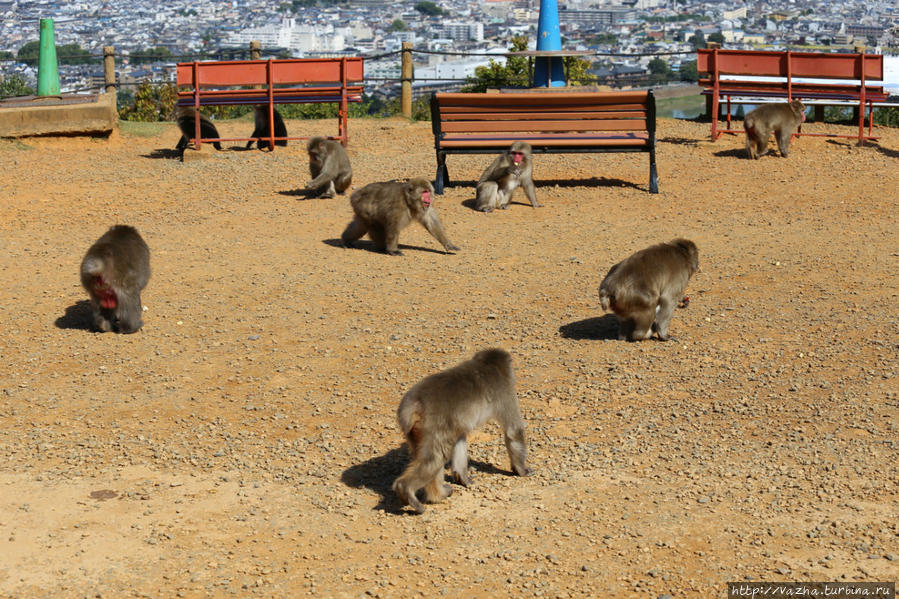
{"type": "Point", "coordinates": [243, 443]}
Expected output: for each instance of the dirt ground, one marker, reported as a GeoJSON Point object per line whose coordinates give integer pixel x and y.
{"type": "Point", "coordinates": [244, 442]}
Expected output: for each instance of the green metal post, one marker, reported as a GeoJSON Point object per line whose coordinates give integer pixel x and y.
{"type": "Point", "coordinates": [47, 69]}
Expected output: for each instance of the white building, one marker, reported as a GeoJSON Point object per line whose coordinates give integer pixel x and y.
{"type": "Point", "coordinates": [298, 39]}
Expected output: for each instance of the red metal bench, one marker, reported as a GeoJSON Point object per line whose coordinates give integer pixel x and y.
{"type": "Point", "coordinates": [551, 122]}
{"type": "Point", "coordinates": [823, 78]}
{"type": "Point", "coordinates": [271, 82]}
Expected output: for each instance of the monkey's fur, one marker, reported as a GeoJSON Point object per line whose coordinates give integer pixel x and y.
{"type": "Point", "coordinates": [114, 271]}
{"type": "Point", "coordinates": [384, 209]}
{"type": "Point", "coordinates": [511, 169]}
{"type": "Point", "coordinates": [184, 115]}
{"type": "Point", "coordinates": [437, 414]}
{"type": "Point", "coordinates": [329, 167]}
{"type": "Point", "coordinates": [260, 120]}
{"type": "Point", "coordinates": [783, 119]}
{"type": "Point", "coordinates": [643, 289]}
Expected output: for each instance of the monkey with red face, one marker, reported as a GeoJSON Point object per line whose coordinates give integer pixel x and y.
{"type": "Point", "coordinates": [511, 169]}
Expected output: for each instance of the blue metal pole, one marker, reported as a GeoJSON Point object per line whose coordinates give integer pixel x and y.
{"type": "Point", "coordinates": [549, 71]}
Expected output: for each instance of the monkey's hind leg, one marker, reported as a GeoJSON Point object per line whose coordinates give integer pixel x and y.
{"type": "Point", "coordinates": [128, 315]}
{"type": "Point", "coordinates": [355, 230]}
{"type": "Point", "coordinates": [643, 325]}
{"type": "Point", "coordinates": [516, 446]}
{"type": "Point", "coordinates": [663, 318]}
{"type": "Point", "coordinates": [102, 321]}
{"type": "Point", "coordinates": [486, 198]}
{"type": "Point", "coordinates": [460, 462]}
{"type": "Point", "coordinates": [426, 470]}
{"type": "Point", "coordinates": [783, 140]}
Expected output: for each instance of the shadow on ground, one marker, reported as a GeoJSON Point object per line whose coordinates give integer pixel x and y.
{"type": "Point", "coordinates": [77, 316]}
{"type": "Point", "coordinates": [601, 327]}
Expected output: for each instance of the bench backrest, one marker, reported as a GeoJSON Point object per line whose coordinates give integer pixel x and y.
{"type": "Point", "coordinates": [522, 112]}
{"type": "Point", "coordinates": [347, 70]}
{"type": "Point", "coordinates": [790, 65]}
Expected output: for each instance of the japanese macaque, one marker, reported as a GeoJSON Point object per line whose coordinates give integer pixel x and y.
{"type": "Point", "coordinates": [508, 171]}
{"type": "Point", "coordinates": [783, 119]}
{"type": "Point", "coordinates": [437, 414]}
{"type": "Point", "coordinates": [329, 167]}
{"type": "Point", "coordinates": [184, 115]}
{"type": "Point", "coordinates": [260, 120]}
{"type": "Point", "coordinates": [384, 209]}
{"type": "Point", "coordinates": [643, 289]}
{"type": "Point", "coordinates": [114, 271]}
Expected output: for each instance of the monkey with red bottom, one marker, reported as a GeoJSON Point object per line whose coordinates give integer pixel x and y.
{"type": "Point", "coordinates": [114, 271]}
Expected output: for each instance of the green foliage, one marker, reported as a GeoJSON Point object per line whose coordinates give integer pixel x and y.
{"type": "Point", "coordinates": [716, 37]}
{"type": "Point", "coordinates": [13, 86]}
{"type": "Point", "coordinates": [6, 55]}
{"type": "Point", "coordinates": [688, 71]}
{"type": "Point", "coordinates": [430, 9]}
{"type": "Point", "coordinates": [150, 55]}
{"type": "Point", "coordinates": [124, 97]}
{"type": "Point", "coordinates": [152, 102]}
{"type": "Point", "coordinates": [698, 40]}
{"type": "Point", "coordinates": [887, 116]}
{"type": "Point", "coordinates": [398, 25]}
{"type": "Point", "coordinates": [67, 54]}
{"type": "Point", "coordinates": [495, 75]}
{"type": "Point", "coordinates": [660, 71]}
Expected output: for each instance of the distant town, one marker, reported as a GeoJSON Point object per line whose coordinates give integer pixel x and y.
{"type": "Point", "coordinates": [451, 37]}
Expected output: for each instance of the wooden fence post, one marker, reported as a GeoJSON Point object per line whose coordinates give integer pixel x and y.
{"type": "Point", "coordinates": [109, 69]}
{"type": "Point", "coordinates": [406, 78]}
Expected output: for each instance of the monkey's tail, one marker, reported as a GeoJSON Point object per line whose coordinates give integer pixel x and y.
{"type": "Point", "coordinates": [93, 266]}
{"type": "Point", "coordinates": [409, 416]}
{"type": "Point", "coordinates": [606, 301]}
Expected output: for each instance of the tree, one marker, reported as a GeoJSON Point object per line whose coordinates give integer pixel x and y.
{"type": "Point", "coordinates": [688, 71]}
{"type": "Point", "coordinates": [698, 40]}
{"type": "Point", "coordinates": [6, 55]}
{"type": "Point", "coordinates": [13, 86]}
{"type": "Point", "coordinates": [513, 74]}
{"type": "Point", "coordinates": [152, 102]}
{"type": "Point", "coordinates": [429, 8]}
{"type": "Point", "coordinates": [716, 37]}
{"type": "Point", "coordinates": [151, 55]}
{"type": "Point", "coordinates": [659, 71]}
{"type": "Point", "coordinates": [73, 54]}
{"type": "Point", "coordinates": [30, 53]}
{"type": "Point", "coordinates": [398, 25]}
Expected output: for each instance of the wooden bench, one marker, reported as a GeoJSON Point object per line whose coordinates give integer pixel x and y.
{"type": "Point", "coordinates": [820, 78]}
{"type": "Point", "coordinates": [551, 122]}
{"type": "Point", "coordinates": [271, 82]}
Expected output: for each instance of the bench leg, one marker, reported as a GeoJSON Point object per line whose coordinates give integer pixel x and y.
{"type": "Point", "coordinates": [442, 178]}
{"type": "Point", "coordinates": [653, 174]}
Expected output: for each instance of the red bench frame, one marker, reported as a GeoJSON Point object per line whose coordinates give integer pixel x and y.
{"type": "Point", "coordinates": [844, 77]}
{"type": "Point", "coordinates": [551, 122]}
{"type": "Point", "coordinates": [273, 81]}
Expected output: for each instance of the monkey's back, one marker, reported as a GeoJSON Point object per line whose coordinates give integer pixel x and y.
{"type": "Point", "coordinates": [640, 279]}
{"type": "Point", "coordinates": [123, 254]}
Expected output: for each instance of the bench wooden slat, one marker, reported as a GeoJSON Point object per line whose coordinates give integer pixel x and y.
{"type": "Point", "coordinates": [546, 142]}
{"type": "Point", "coordinates": [535, 125]}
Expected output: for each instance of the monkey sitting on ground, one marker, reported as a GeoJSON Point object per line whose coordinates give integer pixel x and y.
{"type": "Point", "coordinates": [511, 169]}
{"type": "Point", "coordinates": [643, 289]}
{"type": "Point", "coordinates": [437, 414]}
{"type": "Point", "coordinates": [184, 115]}
{"type": "Point", "coordinates": [329, 166]}
{"type": "Point", "coordinates": [114, 271]}
{"type": "Point", "coordinates": [260, 120]}
{"type": "Point", "coordinates": [783, 119]}
{"type": "Point", "coordinates": [384, 209]}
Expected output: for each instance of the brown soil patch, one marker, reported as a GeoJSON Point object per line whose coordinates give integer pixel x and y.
{"type": "Point", "coordinates": [244, 443]}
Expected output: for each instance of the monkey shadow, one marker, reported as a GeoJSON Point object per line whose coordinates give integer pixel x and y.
{"type": "Point", "coordinates": [885, 151]}
{"type": "Point", "coordinates": [163, 154]}
{"type": "Point", "coordinates": [368, 245]}
{"type": "Point", "coordinates": [602, 327]}
{"type": "Point", "coordinates": [378, 473]}
{"type": "Point", "coordinates": [733, 153]}
{"type": "Point", "coordinates": [77, 317]}
{"type": "Point", "coordinates": [302, 194]}
{"type": "Point", "coordinates": [681, 141]}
